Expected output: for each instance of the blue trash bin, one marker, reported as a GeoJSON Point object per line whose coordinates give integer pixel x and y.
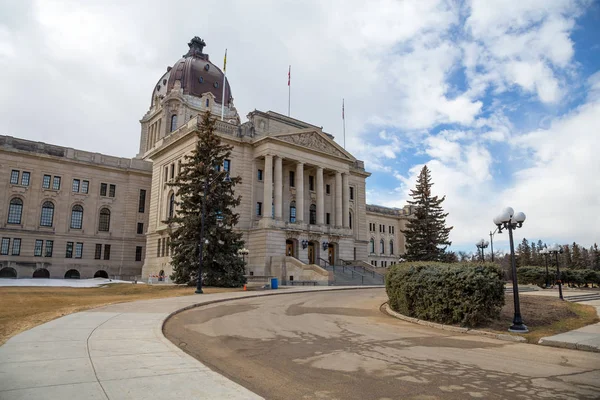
{"type": "Point", "coordinates": [274, 283]}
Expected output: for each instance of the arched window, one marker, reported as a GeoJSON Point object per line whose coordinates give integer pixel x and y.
{"type": "Point", "coordinates": [104, 222]}
{"type": "Point", "coordinates": [293, 211]}
{"type": "Point", "coordinates": [47, 214]}
{"type": "Point", "coordinates": [171, 205]}
{"type": "Point", "coordinates": [173, 122]}
{"type": "Point", "coordinates": [381, 247]}
{"type": "Point", "coordinates": [76, 217]}
{"type": "Point", "coordinates": [372, 246]}
{"type": "Point", "coordinates": [207, 102]}
{"type": "Point", "coordinates": [15, 210]}
{"type": "Point", "coordinates": [313, 214]}
{"type": "Point", "coordinates": [391, 247]}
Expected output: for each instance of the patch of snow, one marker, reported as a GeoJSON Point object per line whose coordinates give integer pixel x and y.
{"type": "Point", "coordinates": [79, 283]}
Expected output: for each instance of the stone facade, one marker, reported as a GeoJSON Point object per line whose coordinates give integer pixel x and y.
{"type": "Point", "coordinates": [54, 222]}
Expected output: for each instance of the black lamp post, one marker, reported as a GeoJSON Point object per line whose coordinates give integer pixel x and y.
{"type": "Point", "coordinates": [202, 219]}
{"type": "Point", "coordinates": [556, 250]}
{"type": "Point", "coordinates": [510, 220]}
{"type": "Point", "coordinates": [243, 252]}
{"type": "Point", "coordinates": [492, 242]}
{"type": "Point", "coordinates": [545, 252]}
{"type": "Point", "coordinates": [482, 244]}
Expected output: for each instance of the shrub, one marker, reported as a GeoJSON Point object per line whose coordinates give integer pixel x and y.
{"type": "Point", "coordinates": [529, 275]}
{"type": "Point", "coordinates": [537, 276]}
{"type": "Point", "coordinates": [446, 293]}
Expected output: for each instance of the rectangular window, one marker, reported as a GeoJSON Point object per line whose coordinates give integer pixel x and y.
{"type": "Point", "coordinates": [85, 186]}
{"type": "Point", "coordinates": [164, 243]}
{"type": "Point", "coordinates": [5, 246]}
{"type": "Point", "coordinates": [327, 218]}
{"type": "Point", "coordinates": [49, 247]}
{"type": "Point", "coordinates": [227, 165]}
{"type": "Point", "coordinates": [259, 209]}
{"type": "Point", "coordinates": [16, 249]}
{"type": "Point", "coordinates": [14, 177]}
{"type": "Point", "coordinates": [142, 201]}
{"type": "Point", "coordinates": [98, 252]}
{"type": "Point", "coordinates": [37, 250]}
{"type": "Point", "coordinates": [25, 178]}
{"type": "Point", "coordinates": [69, 252]}
{"type": "Point", "coordinates": [140, 228]}
{"type": "Point", "coordinates": [168, 242]}
{"type": "Point", "coordinates": [292, 179]}
{"type": "Point", "coordinates": [78, 250]}
{"type": "Point", "coordinates": [103, 188]}
{"type": "Point", "coordinates": [111, 190]}
{"type": "Point", "coordinates": [107, 251]}
{"type": "Point", "coordinates": [138, 253]}
{"type": "Point", "coordinates": [328, 189]}
{"type": "Point", "coordinates": [178, 167]}
{"type": "Point", "coordinates": [166, 173]}
{"type": "Point", "coordinates": [158, 248]}
{"type": "Point", "coordinates": [56, 183]}
{"type": "Point", "coordinates": [172, 170]}
{"type": "Point", "coordinates": [374, 263]}
{"type": "Point", "coordinates": [76, 184]}
{"type": "Point", "coordinates": [260, 175]}
{"type": "Point", "coordinates": [46, 182]}
{"type": "Point", "coordinates": [311, 183]}
{"type": "Point", "coordinates": [351, 193]}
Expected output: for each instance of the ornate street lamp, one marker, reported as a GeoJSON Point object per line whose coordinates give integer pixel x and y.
{"type": "Point", "coordinates": [510, 220]}
{"type": "Point", "coordinates": [243, 252]}
{"type": "Point", "coordinates": [325, 245]}
{"type": "Point", "coordinates": [482, 244]}
{"type": "Point", "coordinates": [556, 250]}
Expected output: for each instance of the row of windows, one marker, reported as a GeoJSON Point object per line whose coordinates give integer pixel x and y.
{"type": "Point", "coordinates": [312, 213]}
{"type": "Point", "coordinates": [372, 226]}
{"type": "Point", "coordinates": [162, 248]}
{"type": "Point", "coordinates": [72, 250]}
{"type": "Point", "coordinates": [381, 246]}
{"type": "Point", "coordinates": [170, 169]}
{"type": "Point", "coordinates": [311, 183]}
{"type": "Point", "coordinates": [384, 264]}
{"type": "Point", "coordinates": [14, 177]}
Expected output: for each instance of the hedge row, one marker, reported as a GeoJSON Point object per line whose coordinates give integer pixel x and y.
{"type": "Point", "coordinates": [537, 276]}
{"type": "Point", "coordinates": [454, 293]}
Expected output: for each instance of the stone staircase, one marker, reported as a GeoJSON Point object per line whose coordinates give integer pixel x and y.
{"type": "Point", "coordinates": [576, 298]}
{"type": "Point", "coordinates": [350, 275]}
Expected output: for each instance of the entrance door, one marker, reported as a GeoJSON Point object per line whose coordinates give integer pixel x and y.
{"type": "Point", "coordinates": [311, 253]}
{"type": "Point", "coordinates": [289, 248]}
{"type": "Point", "coordinates": [331, 254]}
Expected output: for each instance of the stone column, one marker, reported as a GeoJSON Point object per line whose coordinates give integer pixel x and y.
{"type": "Point", "coordinates": [278, 188]}
{"type": "Point", "coordinates": [300, 192]}
{"type": "Point", "coordinates": [346, 201]}
{"type": "Point", "coordinates": [320, 198]}
{"type": "Point", "coordinates": [339, 221]}
{"type": "Point", "coordinates": [268, 188]}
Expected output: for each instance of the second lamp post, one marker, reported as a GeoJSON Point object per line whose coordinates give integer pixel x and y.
{"type": "Point", "coordinates": [482, 244]}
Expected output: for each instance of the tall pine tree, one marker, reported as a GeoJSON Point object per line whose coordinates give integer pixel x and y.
{"type": "Point", "coordinates": [221, 264]}
{"type": "Point", "coordinates": [427, 236]}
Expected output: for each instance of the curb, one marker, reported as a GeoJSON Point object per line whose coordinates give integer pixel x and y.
{"type": "Point", "coordinates": [500, 336]}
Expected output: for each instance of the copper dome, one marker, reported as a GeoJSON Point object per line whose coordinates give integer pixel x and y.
{"type": "Point", "coordinates": [198, 75]}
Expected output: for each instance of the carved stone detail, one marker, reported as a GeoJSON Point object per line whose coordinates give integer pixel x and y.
{"type": "Point", "coordinates": [314, 141]}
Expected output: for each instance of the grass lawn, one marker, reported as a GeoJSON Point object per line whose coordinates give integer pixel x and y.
{"type": "Point", "coordinates": [544, 316]}
{"type": "Point", "coordinates": [26, 307]}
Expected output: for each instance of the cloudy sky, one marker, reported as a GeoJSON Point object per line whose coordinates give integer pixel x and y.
{"type": "Point", "coordinates": [500, 98]}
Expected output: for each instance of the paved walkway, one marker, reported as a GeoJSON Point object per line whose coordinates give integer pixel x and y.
{"type": "Point", "coordinates": [115, 352]}
{"type": "Point", "coordinates": [119, 352]}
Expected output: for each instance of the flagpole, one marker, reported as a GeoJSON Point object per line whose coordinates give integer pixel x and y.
{"type": "Point", "coordinates": [289, 88]}
{"type": "Point", "coordinates": [344, 122]}
{"type": "Point", "coordinates": [224, 78]}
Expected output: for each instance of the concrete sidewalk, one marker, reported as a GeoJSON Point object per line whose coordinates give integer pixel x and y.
{"type": "Point", "coordinates": [586, 338]}
{"type": "Point", "coordinates": [116, 352]}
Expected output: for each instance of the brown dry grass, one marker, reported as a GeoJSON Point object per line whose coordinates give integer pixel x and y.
{"type": "Point", "coordinates": [544, 316]}
{"type": "Point", "coordinates": [26, 307]}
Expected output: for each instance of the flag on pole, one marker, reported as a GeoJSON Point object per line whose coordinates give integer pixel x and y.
{"type": "Point", "coordinates": [343, 109]}
{"type": "Point", "coordinates": [289, 75]}
{"type": "Point", "coordinates": [224, 82]}
{"type": "Point", "coordinates": [225, 61]}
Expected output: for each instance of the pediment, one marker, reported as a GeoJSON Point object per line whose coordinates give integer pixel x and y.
{"type": "Point", "coordinates": [315, 141]}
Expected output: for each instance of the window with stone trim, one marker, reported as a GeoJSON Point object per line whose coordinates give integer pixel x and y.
{"type": "Point", "coordinates": [16, 247]}
{"type": "Point", "coordinates": [171, 205]}
{"type": "Point", "coordinates": [372, 246]}
{"type": "Point", "coordinates": [293, 211]}
{"type": "Point", "coordinates": [328, 218]}
{"type": "Point", "coordinates": [311, 183]}
{"type": "Point", "coordinates": [313, 214]}
{"type": "Point", "coordinates": [5, 246]}
{"type": "Point", "coordinates": [78, 250]}
{"type": "Point", "coordinates": [25, 178]}
{"type": "Point", "coordinates": [112, 190]}
{"type": "Point", "coordinates": [104, 221]}
{"type": "Point", "coordinates": [14, 177]}
{"type": "Point", "coordinates": [140, 228]}
{"type": "Point", "coordinates": [292, 179]}
{"type": "Point", "coordinates": [107, 251]}
{"type": "Point", "coordinates": [46, 182]}
{"type": "Point", "coordinates": [142, 201]}
{"type": "Point", "coordinates": [391, 247]}
{"type": "Point", "coordinates": [76, 185]}
{"type": "Point", "coordinates": [37, 249]}
{"type": "Point", "coordinates": [85, 186]}
{"type": "Point", "coordinates": [47, 217]}
{"type": "Point", "coordinates": [138, 253]}
{"type": "Point", "coordinates": [382, 246]}
{"type": "Point", "coordinates": [259, 175]}
{"type": "Point", "coordinates": [77, 217]}
{"type": "Point", "coordinates": [56, 183]}
{"type": "Point", "coordinates": [173, 122]}
{"type": "Point", "coordinates": [351, 192]}
{"type": "Point", "coordinates": [103, 189]}
{"type": "Point", "coordinates": [98, 252]}
{"type": "Point", "coordinates": [69, 250]}
{"type": "Point", "coordinates": [328, 189]}
{"type": "Point", "coordinates": [49, 248]}
{"type": "Point", "coordinates": [15, 211]}
{"type": "Point", "coordinates": [258, 209]}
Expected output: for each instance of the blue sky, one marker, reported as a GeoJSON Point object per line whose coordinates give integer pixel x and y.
{"type": "Point", "coordinates": [500, 98]}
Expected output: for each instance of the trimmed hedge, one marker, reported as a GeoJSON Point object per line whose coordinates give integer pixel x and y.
{"type": "Point", "coordinates": [537, 276]}
{"type": "Point", "coordinates": [454, 293]}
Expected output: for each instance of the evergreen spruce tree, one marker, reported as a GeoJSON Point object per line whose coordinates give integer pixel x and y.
{"type": "Point", "coordinates": [595, 254]}
{"type": "Point", "coordinates": [221, 265]}
{"type": "Point", "coordinates": [524, 253]}
{"type": "Point", "coordinates": [427, 236]}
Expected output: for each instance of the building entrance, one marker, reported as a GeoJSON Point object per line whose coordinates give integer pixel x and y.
{"type": "Point", "coordinates": [331, 254]}
{"type": "Point", "coordinates": [289, 248]}
{"type": "Point", "coordinates": [311, 253]}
